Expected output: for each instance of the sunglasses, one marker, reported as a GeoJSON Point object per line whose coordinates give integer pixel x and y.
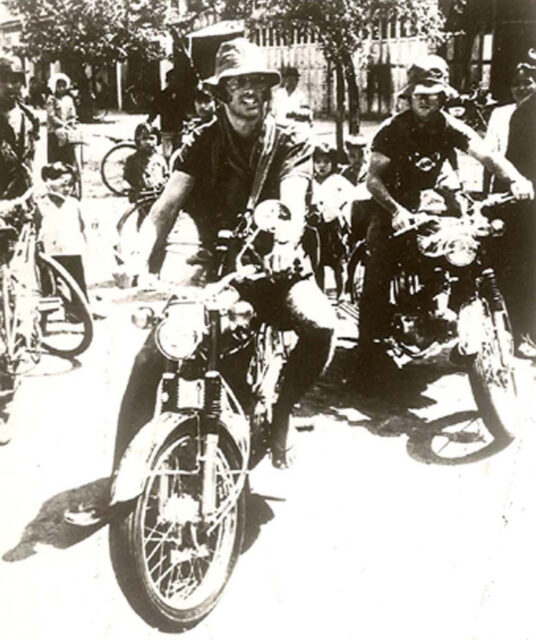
{"type": "Point", "coordinates": [249, 81]}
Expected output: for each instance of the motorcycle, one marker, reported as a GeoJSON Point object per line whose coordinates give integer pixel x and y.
{"type": "Point", "coordinates": [182, 481]}
{"type": "Point", "coordinates": [444, 293]}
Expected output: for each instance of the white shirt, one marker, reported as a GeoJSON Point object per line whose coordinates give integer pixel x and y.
{"type": "Point", "coordinates": [61, 228]}
{"type": "Point", "coordinates": [498, 127]}
{"type": "Point", "coordinates": [333, 197]}
{"type": "Point", "coordinates": [285, 103]}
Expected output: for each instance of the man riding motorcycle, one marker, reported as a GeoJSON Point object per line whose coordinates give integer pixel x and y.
{"type": "Point", "coordinates": [214, 178]}
{"type": "Point", "coordinates": [409, 153]}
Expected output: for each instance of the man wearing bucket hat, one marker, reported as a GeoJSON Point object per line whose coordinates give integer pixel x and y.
{"type": "Point", "coordinates": [240, 158]}
{"type": "Point", "coordinates": [409, 153]}
{"type": "Point", "coordinates": [19, 128]}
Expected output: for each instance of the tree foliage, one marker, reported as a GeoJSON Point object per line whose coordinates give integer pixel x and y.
{"type": "Point", "coordinates": [90, 31]}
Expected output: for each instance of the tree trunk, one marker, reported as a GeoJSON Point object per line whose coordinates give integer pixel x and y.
{"type": "Point", "coordinates": [354, 119]}
{"type": "Point", "coordinates": [339, 117]}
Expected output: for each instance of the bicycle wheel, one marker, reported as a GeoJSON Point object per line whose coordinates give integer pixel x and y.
{"type": "Point", "coordinates": [113, 166]}
{"type": "Point", "coordinates": [171, 564]}
{"type": "Point", "coordinates": [492, 373]}
{"type": "Point", "coordinates": [19, 332]}
{"type": "Point", "coordinates": [128, 228]}
{"type": "Point", "coordinates": [66, 322]}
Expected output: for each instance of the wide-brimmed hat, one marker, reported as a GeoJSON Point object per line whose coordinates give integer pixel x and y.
{"type": "Point", "coordinates": [428, 75]}
{"type": "Point", "coordinates": [11, 68]}
{"type": "Point", "coordinates": [55, 78]}
{"type": "Point", "coordinates": [357, 140]}
{"type": "Point", "coordinates": [239, 57]}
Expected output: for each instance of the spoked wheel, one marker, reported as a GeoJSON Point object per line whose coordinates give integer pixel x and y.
{"type": "Point", "coordinates": [171, 564]}
{"type": "Point", "coordinates": [492, 374]}
{"type": "Point", "coordinates": [113, 166]}
{"type": "Point", "coordinates": [20, 335]}
{"type": "Point", "coordinates": [65, 318]}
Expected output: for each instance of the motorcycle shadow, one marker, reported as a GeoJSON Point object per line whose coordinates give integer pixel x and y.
{"type": "Point", "coordinates": [49, 529]}
{"type": "Point", "coordinates": [385, 403]}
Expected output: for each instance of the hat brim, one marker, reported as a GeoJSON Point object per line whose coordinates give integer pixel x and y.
{"type": "Point", "coordinates": [428, 89]}
{"type": "Point", "coordinates": [274, 78]}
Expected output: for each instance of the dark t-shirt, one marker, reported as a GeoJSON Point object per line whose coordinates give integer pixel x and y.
{"type": "Point", "coordinates": [418, 151]}
{"type": "Point", "coordinates": [171, 106]}
{"type": "Point", "coordinates": [521, 150]}
{"type": "Point", "coordinates": [224, 167]}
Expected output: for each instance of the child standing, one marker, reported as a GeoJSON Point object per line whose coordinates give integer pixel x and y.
{"type": "Point", "coordinates": [331, 195]}
{"type": "Point", "coordinates": [145, 168]}
{"type": "Point", "coordinates": [62, 227]}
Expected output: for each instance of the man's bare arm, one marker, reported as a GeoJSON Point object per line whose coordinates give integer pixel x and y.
{"type": "Point", "coordinates": [161, 217]}
{"type": "Point", "coordinates": [379, 164]}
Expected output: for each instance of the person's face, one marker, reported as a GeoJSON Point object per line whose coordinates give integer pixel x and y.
{"type": "Point", "coordinates": [63, 184]}
{"type": "Point", "coordinates": [523, 86]}
{"type": "Point", "coordinates": [246, 96]}
{"type": "Point", "coordinates": [146, 142]}
{"type": "Point", "coordinates": [9, 90]}
{"type": "Point", "coordinates": [322, 165]}
{"type": "Point", "coordinates": [355, 155]}
{"type": "Point", "coordinates": [61, 88]}
{"type": "Point", "coordinates": [291, 82]}
{"type": "Point", "coordinates": [426, 105]}
{"type": "Point", "coordinates": [205, 108]}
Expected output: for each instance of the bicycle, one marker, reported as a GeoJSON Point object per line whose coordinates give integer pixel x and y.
{"type": "Point", "coordinates": [43, 307]}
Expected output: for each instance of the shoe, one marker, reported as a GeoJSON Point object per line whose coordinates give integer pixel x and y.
{"type": "Point", "coordinates": [282, 457]}
{"type": "Point", "coordinates": [526, 349]}
{"type": "Point", "coordinates": [90, 516]}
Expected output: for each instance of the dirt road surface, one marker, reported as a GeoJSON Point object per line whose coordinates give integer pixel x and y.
{"type": "Point", "coordinates": [402, 518]}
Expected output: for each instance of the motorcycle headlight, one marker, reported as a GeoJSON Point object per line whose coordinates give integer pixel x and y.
{"type": "Point", "coordinates": [461, 252]}
{"type": "Point", "coordinates": [181, 331]}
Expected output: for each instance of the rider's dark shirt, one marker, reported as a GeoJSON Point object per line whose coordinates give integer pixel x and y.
{"type": "Point", "coordinates": [14, 179]}
{"type": "Point", "coordinates": [521, 150]}
{"type": "Point", "coordinates": [224, 167]}
{"type": "Point", "coordinates": [418, 151]}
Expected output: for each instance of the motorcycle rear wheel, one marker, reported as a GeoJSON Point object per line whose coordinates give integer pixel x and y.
{"type": "Point", "coordinates": [492, 373]}
{"type": "Point", "coordinates": [170, 573]}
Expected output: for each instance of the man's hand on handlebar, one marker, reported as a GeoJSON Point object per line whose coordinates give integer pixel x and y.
{"type": "Point", "coordinates": [522, 189]}
{"type": "Point", "coordinates": [281, 258]}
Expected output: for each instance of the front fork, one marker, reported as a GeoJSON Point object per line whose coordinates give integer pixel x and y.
{"type": "Point", "coordinates": [210, 419]}
{"type": "Point", "coordinates": [472, 312]}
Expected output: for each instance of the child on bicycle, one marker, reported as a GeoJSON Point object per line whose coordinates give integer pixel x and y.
{"type": "Point", "coordinates": [145, 169]}
{"type": "Point", "coordinates": [62, 227]}
{"type": "Point", "coordinates": [331, 195]}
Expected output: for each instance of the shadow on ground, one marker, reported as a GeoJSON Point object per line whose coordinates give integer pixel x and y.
{"type": "Point", "coordinates": [385, 404]}
{"type": "Point", "coordinates": [48, 528]}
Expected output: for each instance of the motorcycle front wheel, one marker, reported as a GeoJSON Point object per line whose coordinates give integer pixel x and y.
{"type": "Point", "coordinates": [492, 372]}
{"type": "Point", "coordinates": [170, 564]}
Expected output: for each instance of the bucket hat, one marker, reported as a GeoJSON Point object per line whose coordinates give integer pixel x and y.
{"type": "Point", "coordinates": [239, 57]}
{"type": "Point", "coordinates": [428, 75]}
{"type": "Point", "coordinates": [11, 67]}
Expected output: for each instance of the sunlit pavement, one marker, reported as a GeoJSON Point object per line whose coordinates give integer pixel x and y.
{"type": "Point", "coordinates": [401, 519]}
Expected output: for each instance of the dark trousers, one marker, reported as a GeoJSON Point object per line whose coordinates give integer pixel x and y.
{"type": "Point", "coordinates": [75, 267]}
{"type": "Point", "coordinates": [374, 310]}
{"type": "Point", "coordinates": [515, 265]}
{"type": "Point", "coordinates": [303, 308]}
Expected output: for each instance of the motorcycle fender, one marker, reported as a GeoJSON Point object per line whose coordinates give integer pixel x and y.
{"type": "Point", "coordinates": [134, 466]}
{"type": "Point", "coordinates": [470, 325]}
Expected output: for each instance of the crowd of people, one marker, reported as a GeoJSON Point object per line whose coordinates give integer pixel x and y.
{"type": "Point", "coordinates": [247, 138]}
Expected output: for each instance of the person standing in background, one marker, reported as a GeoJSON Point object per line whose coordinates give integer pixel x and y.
{"type": "Point", "coordinates": [523, 85]}
{"type": "Point", "coordinates": [171, 107]}
{"type": "Point", "coordinates": [289, 103]}
{"type": "Point", "coordinates": [61, 122]}
{"type": "Point", "coordinates": [516, 268]}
